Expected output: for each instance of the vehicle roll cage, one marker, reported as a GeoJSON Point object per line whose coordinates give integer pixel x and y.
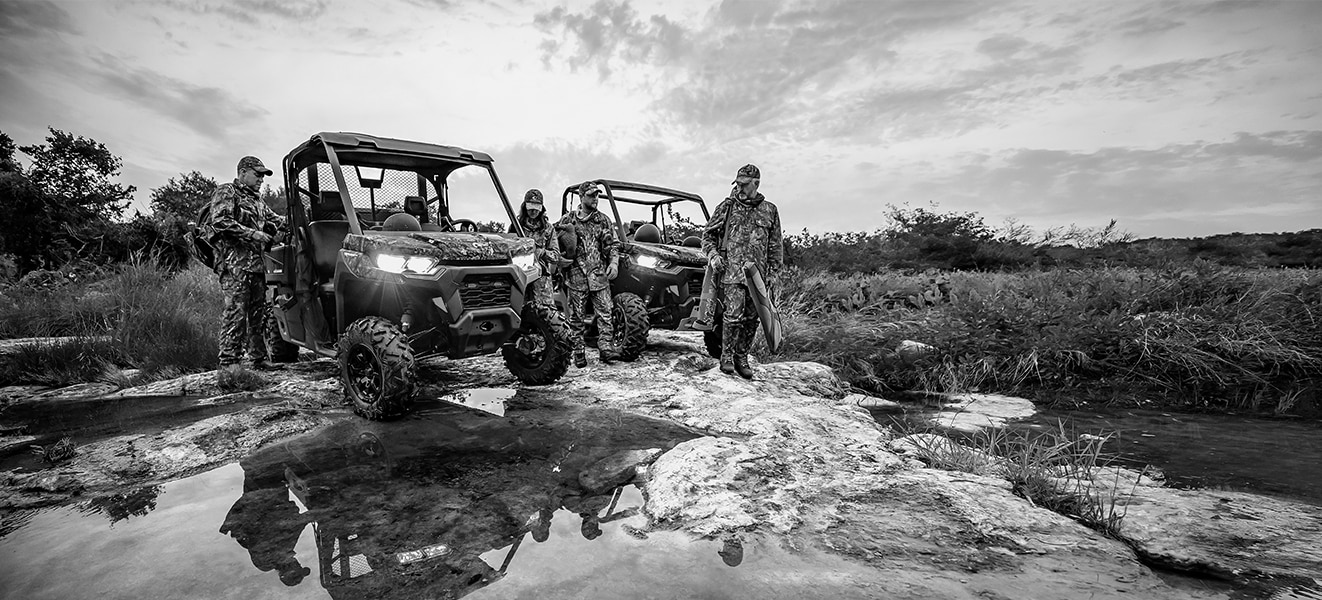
{"type": "Point", "coordinates": [612, 186]}
{"type": "Point", "coordinates": [432, 162]}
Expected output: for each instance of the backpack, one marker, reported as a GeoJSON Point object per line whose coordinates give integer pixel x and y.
{"type": "Point", "coordinates": [198, 238]}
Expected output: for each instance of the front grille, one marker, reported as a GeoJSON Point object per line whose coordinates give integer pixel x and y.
{"type": "Point", "coordinates": [485, 291]}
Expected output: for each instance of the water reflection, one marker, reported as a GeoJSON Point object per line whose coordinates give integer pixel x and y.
{"type": "Point", "coordinates": [121, 506]}
{"type": "Point", "coordinates": [409, 508]}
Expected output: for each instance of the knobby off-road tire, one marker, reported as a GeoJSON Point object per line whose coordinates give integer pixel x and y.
{"type": "Point", "coordinates": [377, 368]}
{"type": "Point", "coordinates": [631, 325]}
{"type": "Point", "coordinates": [712, 339]}
{"type": "Point", "coordinates": [541, 351]}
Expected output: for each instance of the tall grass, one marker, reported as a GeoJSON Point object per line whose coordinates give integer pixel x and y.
{"type": "Point", "coordinates": [1203, 335]}
{"type": "Point", "coordinates": [140, 316]}
{"type": "Point", "coordinates": [1058, 470]}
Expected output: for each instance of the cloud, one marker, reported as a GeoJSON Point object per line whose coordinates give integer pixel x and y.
{"type": "Point", "coordinates": [30, 19]}
{"type": "Point", "coordinates": [209, 111]}
{"type": "Point", "coordinates": [255, 11]}
{"type": "Point", "coordinates": [1208, 183]}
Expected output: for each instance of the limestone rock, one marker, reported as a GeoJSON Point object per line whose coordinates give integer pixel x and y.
{"type": "Point", "coordinates": [1224, 533]}
{"type": "Point", "coordinates": [696, 483]}
{"type": "Point", "coordinates": [971, 412]}
{"type": "Point", "coordinates": [694, 363]}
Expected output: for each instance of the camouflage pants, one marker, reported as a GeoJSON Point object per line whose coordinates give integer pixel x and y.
{"type": "Point", "coordinates": [245, 317]}
{"type": "Point", "coordinates": [543, 291]}
{"type": "Point", "coordinates": [578, 305]}
{"type": "Point", "coordinates": [739, 320]}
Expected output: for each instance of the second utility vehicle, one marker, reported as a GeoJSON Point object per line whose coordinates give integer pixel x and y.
{"type": "Point", "coordinates": [661, 259]}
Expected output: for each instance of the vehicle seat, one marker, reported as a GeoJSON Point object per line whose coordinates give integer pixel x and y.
{"type": "Point", "coordinates": [326, 238]}
{"type": "Point", "coordinates": [649, 233]}
{"type": "Point", "coordinates": [693, 241]}
{"type": "Point", "coordinates": [416, 206]}
{"type": "Point", "coordinates": [327, 206]}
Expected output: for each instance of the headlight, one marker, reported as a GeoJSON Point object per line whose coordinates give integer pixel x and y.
{"type": "Point", "coordinates": [526, 262]}
{"type": "Point", "coordinates": [650, 262]}
{"type": "Point", "coordinates": [421, 265]}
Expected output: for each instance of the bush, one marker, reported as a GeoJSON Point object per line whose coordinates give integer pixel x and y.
{"type": "Point", "coordinates": [140, 316]}
{"type": "Point", "coordinates": [1208, 336]}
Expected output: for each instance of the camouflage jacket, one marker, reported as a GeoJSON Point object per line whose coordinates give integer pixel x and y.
{"type": "Point", "coordinates": [753, 236]}
{"type": "Point", "coordinates": [543, 234]}
{"type": "Point", "coordinates": [237, 216]}
{"type": "Point", "coordinates": [597, 247]}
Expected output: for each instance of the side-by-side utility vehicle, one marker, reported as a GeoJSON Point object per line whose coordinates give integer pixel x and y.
{"type": "Point", "coordinates": [377, 273]}
{"type": "Point", "coordinates": [661, 260]}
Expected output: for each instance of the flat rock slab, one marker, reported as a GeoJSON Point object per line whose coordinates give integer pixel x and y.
{"type": "Point", "coordinates": [973, 412]}
{"type": "Point", "coordinates": [1225, 534]}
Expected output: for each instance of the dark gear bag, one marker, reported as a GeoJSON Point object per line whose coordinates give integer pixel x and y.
{"type": "Point", "coordinates": [199, 236]}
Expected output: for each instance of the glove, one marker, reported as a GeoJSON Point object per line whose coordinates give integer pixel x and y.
{"type": "Point", "coordinates": [714, 261]}
{"type": "Point", "coordinates": [262, 238]}
{"type": "Point", "coordinates": [613, 271]}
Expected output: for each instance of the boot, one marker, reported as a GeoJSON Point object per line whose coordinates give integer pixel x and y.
{"type": "Point", "coordinates": [742, 342]}
{"type": "Point", "coordinates": [580, 358]}
{"type": "Point", "coordinates": [608, 351]}
{"type": "Point", "coordinates": [727, 349]}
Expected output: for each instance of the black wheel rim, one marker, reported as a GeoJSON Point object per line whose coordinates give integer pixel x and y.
{"type": "Point", "coordinates": [363, 374]}
{"type": "Point", "coordinates": [532, 344]}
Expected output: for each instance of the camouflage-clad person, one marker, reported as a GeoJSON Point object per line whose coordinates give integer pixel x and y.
{"type": "Point", "coordinates": [744, 229]}
{"type": "Point", "coordinates": [241, 227]}
{"type": "Point", "coordinates": [588, 276]}
{"type": "Point", "coordinates": [536, 225]}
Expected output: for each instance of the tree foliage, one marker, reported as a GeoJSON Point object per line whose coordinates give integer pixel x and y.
{"type": "Point", "coordinates": [184, 196]}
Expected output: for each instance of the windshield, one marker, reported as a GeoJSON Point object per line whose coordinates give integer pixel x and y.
{"type": "Point", "coordinates": [377, 193]}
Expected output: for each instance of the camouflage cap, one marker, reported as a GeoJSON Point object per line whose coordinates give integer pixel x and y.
{"type": "Point", "coordinates": [587, 188]}
{"type": "Point", "coordinates": [748, 171]}
{"type": "Point", "coordinates": [533, 196]}
{"type": "Point", "coordinates": [254, 163]}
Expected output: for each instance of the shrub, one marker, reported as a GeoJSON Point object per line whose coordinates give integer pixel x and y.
{"type": "Point", "coordinates": [1208, 336]}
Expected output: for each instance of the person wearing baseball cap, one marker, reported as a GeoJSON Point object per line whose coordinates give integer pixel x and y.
{"type": "Point", "coordinates": [533, 223]}
{"type": "Point", "coordinates": [587, 278]}
{"type": "Point", "coordinates": [242, 227]}
{"type": "Point", "coordinates": [744, 229]}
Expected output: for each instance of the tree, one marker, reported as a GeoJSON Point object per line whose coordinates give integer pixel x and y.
{"type": "Point", "coordinates": [182, 198]}
{"type": "Point", "coordinates": [7, 162]}
{"type": "Point", "coordinates": [75, 172]}
{"type": "Point", "coordinates": [62, 203]}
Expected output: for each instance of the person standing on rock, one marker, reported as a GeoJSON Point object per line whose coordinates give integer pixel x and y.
{"type": "Point", "coordinates": [535, 224]}
{"type": "Point", "coordinates": [241, 227]}
{"type": "Point", "coordinates": [596, 263]}
{"type": "Point", "coordinates": [743, 230]}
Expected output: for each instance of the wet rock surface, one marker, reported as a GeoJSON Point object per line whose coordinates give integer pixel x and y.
{"type": "Point", "coordinates": [788, 457]}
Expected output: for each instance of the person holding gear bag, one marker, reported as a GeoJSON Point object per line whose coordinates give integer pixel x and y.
{"type": "Point", "coordinates": [743, 230]}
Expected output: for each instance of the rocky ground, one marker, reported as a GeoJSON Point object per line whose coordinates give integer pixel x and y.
{"type": "Point", "coordinates": [787, 457]}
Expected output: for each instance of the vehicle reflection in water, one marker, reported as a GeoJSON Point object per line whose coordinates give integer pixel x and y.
{"type": "Point", "coordinates": [409, 508]}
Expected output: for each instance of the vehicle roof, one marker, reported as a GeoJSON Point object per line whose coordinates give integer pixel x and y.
{"type": "Point", "coordinates": [350, 145]}
{"type": "Point", "coordinates": [616, 185]}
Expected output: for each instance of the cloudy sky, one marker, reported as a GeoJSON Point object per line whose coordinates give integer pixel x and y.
{"type": "Point", "coordinates": [1176, 118]}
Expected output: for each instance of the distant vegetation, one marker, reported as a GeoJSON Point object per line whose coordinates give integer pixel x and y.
{"type": "Point", "coordinates": [1070, 314]}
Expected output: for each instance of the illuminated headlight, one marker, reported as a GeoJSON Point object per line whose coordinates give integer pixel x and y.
{"type": "Point", "coordinates": [526, 262]}
{"type": "Point", "coordinates": [394, 263]}
{"type": "Point", "coordinates": [650, 262]}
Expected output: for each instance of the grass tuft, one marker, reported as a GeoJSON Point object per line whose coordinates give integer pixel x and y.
{"type": "Point", "coordinates": [237, 378]}
{"type": "Point", "coordinates": [58, 452]}
{"type": "Point", "coordinates": [1057, 470]}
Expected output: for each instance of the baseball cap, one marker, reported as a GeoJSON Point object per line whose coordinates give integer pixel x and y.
{"type": "Point", "coordinates": [587, 188]}
{"type": "Point", "coordinates": [254, 163]}
{"type": "Point", "coordinates": [748, 171]}
{"type": "Point", "coordinates": [533, 196]}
